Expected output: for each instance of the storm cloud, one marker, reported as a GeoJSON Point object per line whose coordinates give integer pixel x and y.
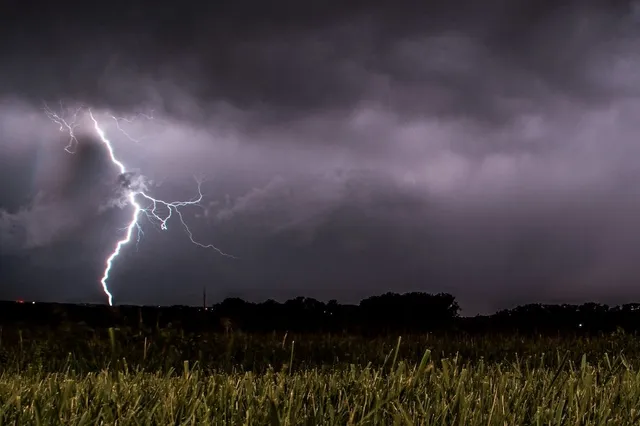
{"type": "Point", "coordinates": [486, 150]}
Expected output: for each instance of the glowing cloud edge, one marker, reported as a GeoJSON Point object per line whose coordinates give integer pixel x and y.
{"type": "Point", "coordinates": [151, 214]}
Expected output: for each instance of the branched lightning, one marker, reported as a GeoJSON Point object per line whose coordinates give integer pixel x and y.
{"type": "Point", "coordinates": [158, 212]}
{"type": "Point", "coordinates": [130, 120]}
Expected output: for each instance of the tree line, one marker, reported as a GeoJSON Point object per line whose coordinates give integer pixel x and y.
{"type": "Point", "coordinates": [390, 313]}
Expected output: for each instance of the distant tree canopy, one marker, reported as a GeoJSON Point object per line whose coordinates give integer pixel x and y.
{"type": "Point", "coordinates": [409, 311]}
{"type": "Point", "coordinates": [390, 313]}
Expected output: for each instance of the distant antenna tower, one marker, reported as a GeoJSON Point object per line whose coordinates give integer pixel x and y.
{"type": "Point", "coordinates": [204, 298]}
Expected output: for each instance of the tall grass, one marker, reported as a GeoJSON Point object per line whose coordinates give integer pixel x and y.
{"type": "Point", "coordinates": [85, 350]}
{"type": "Point", "coordinates": [124, 377]}
{"type": "Point", "coordinates": [444, 393]}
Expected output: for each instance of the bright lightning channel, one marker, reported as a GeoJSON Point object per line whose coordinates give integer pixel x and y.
{"type": "Point", "coordinates": [151, 213]}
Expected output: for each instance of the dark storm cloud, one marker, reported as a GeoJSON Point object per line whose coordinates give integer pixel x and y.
{"type": "Point", "coordinates": [72, 190]}
{"type": "Point", "coordinates": [487, 149]}
{"type": "Point", "coordinates": [465, 58]}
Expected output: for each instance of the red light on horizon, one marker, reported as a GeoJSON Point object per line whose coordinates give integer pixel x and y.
{"type": "Point", "coordinates": [19, 301]}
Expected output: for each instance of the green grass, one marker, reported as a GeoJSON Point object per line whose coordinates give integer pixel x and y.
{"type": "Point", "coordinates": [446, 393]}
{"type": "Point", "coordinates": [83, 350]}
{"type": "Point", "coordinates": [167, 378]}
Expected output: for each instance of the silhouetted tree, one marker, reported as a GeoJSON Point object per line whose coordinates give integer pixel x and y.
{"type": "Point", "coordinates": [387, 313]}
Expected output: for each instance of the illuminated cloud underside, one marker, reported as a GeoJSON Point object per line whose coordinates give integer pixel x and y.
{"type": "Point", "coordinates": [151, 212]}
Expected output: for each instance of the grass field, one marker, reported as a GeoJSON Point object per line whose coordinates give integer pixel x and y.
{"type": "Point", "coordinates": [167, 377]}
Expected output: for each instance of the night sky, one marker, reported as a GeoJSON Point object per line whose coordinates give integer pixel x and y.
{"type": "Point", "coordinates": [489, 149]}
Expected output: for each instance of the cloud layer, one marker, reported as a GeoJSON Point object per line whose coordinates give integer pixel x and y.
{"type": "Point", "coordinates": [490, 152]}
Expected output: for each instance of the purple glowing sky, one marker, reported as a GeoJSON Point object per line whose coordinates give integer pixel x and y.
{"type": "Point", "coordinates": [492, 153]}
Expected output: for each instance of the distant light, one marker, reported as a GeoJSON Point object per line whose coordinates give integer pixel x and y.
{"type": "Point", "coordinates": [33, 303]}
{"type": "Point", "coordinates": [19, 301]}
{"type": "Point", "coordinates": [580, 325]}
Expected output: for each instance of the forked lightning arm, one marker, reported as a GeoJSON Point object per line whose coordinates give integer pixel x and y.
{"type": "Point", "coordinates": [151, 212]}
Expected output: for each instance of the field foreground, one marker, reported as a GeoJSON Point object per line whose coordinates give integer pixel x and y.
{"type": "Point", "coordinates": [425, 393]}
{"type": "Point", "coordinates": [82, 376]}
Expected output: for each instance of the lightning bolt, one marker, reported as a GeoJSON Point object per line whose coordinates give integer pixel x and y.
{"type": "Point", "coordinates": [152, 212]}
